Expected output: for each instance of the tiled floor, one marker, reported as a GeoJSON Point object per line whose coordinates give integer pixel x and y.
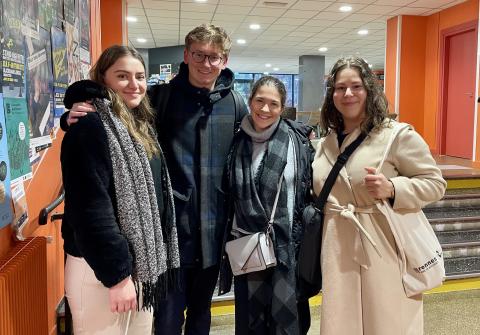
{"type": "Point", "coordinates": [452, 313]}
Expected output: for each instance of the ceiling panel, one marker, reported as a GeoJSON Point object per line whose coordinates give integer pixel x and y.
{"type": "Point", "coordinates": [233, 9]}
{"type": "Point", "coordinates": [311, 5]}
{"type": "Point", "coordinates": [300, 27]}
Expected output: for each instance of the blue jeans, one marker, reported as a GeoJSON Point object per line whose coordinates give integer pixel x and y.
{"type": "Point", "coordinates": [195, 296]}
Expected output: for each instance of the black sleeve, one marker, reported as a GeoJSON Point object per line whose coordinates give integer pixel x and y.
{"type": "Point", "coordinates": [89, 201]}
{"type": "Point", "coordinates": [63, 121]}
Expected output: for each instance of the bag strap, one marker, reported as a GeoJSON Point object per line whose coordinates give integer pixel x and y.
{"type": "Point", "coordinates": [274, 208]}
{"type": "Point", "coordinates": [332, 176]}
{"type": "Point", "coordinates": [236, 100]}
{"type": "Point", "coordinates": [397, 127]}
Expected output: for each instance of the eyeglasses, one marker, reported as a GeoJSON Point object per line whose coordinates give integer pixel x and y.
{"type": "Point", "coordinates": [343, 89]}
{"type": "Point", "coordinates": [199, 57]}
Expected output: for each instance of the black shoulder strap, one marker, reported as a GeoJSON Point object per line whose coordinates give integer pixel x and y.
{"type": "Point", "coordinates": [332, 176]}
{"type": "Point", "coordinates": [236, 100]}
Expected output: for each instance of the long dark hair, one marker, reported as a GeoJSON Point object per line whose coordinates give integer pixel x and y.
{"type": "Point", "coordinates": [376, 110]}
{"type": "Point", "coordinates": [272, 82]}
{"type": "Point", "coordinates": [139, 121]}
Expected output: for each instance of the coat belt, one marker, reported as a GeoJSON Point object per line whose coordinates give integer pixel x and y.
{"type": "Point", "coordinates": [348, 212]}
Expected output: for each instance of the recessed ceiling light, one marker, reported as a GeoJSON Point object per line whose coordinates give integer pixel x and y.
{"type": "Point", "coordinates": [200, 1]}
{"type": "Point", "coordinates": [363, 32]}
{"type": "Point", "coordinates": [276, 69]}
{"type": "Point", "coordinates": [141, 40]}
{"type": "Point", "coordinates": [241, 41]}
{"type": "Point", "coordinates": [132, 19]}
{"type": "Point", "coordinates": [322, 49]}
{"type": "Point", "coordinates": [254, 26]}
{"type": "Point", "coordinates": [345, 8]}
{"type": "Point", "coordinates": [268, 65]}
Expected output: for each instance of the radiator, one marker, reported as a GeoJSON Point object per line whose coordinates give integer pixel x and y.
{"type": "Point", "coordinates": [23, 285]}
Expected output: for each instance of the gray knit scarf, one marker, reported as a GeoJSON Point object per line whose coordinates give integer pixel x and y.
{"type": "Point", "coordinates": [138, 214]}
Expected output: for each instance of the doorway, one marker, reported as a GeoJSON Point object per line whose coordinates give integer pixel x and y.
{"type": "Point", "coordinates": [459, 50]}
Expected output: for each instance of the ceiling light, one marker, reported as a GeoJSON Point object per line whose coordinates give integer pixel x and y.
{"type": "Point", "coordinates": [363, 32]}
{"type": "Point", "coordinates": [276, 69]}
{"type": "Point", "coordinates": [345, 9]}
{"type": "Point", "coordinates": [266, 73]}
{"type": "Point", "coordinates": [275, 3]}
{"type": "Point", "coordinates": [132, 19]}
{"type": "Point", "coordinates": [254, 26]}
{"type": "Point", "coordinates": [268, 65]}
{"type": "Point", "coordinates": [241, 41]}
{"type": "Point", "coordinates": [200, 1]}
{"type": "Point", "coordinates": [141, 40]}
{"type": "Point", "coordinates": [322, 49]}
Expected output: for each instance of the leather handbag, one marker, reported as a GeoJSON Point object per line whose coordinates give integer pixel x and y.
{"type": "Point", "coordinates": [254, 252]}
{"type": "Point", "coordinates": [420, 252]}
{"type": "Point", "coordinates": [309, 277]}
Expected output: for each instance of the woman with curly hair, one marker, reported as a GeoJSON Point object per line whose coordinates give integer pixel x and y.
{"type": "Point", "coordinates": [362, 285]}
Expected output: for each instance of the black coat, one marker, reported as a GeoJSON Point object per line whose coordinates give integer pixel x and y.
{"type": "Point", "coordinates": [195, 128]}
{"type": "Point", "coordinates": [304, 155]}
{"type": "Point", "coordinates": [90, 225]}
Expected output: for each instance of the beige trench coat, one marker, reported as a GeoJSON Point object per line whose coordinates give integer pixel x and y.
{"type": "Point", "coordinates": [362, 287]}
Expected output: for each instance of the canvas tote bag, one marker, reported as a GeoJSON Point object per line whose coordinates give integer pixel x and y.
{"type": "Point", "coordinates": [418, 247]}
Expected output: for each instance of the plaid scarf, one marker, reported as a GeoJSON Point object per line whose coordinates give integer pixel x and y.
{"type": "Point", "coordinates": [138, 215]}
{"type": "Point", "coordinates": [271, 294]}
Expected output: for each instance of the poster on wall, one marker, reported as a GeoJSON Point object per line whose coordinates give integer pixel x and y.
{"type": "Point", "coordinates": [20, 208]}
{"type": "Point", "coordinates": [58, 16]}
{"type": "Point", "coordinates": [18, 138]}
{"type": "Point", "coordinates": [13, 77]}
{"type": "Point", "coordinates": [73, 53]}
{"type": "Point", "coordinates": [59, 107]}
{"type": "Point", "coordinates": [69, 11]}
{"type": "Point", "coordinates": [30, 19]}
{"type": "Point", "coordinates": [6, 214]}
{"type": "Point", "coordinates": [47, 12]}
{"type": "Point", "coordinates": [38, 92]}
{"type": "Point", "coordinates": [59, 58]}
{"type": "Point", "coordinates": [84, 9]}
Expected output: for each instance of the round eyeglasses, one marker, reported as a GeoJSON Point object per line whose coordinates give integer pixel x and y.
{"type": "Point", "coordinates": [199, 57]}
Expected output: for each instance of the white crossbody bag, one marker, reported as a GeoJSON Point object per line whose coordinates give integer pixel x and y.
{"type": "Point", "coordinates": [420, 252]}
{"type": "Point", "coordinates": [254, 252]}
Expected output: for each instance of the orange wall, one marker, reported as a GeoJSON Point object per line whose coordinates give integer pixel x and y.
{"type": "Point", "coordinates": [412, 70]}
{"type": "Point", "coordinates": [432, 87]}
{"type": "Point", "coordinates": [448, 18]}
{"type": "Point", "coordinates": [391, 62]}
{"type": "Point", "coordinates": [46, 183]}
{"type": "Point", "coordinates": [113, 22]}
{"type": "Point", "coordinates": [420, 66]}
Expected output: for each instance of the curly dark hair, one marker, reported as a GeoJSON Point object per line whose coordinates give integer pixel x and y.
{"type": "Point", "coordinates": [376, 102]}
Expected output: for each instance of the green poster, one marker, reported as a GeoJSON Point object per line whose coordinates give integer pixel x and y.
{"type": "Point", "coordinates": [18, 138]}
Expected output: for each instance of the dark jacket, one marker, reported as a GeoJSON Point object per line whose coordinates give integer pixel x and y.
{"type": "Point", "coordinates": [90, 226]}
{"type": "Point", "coordinates": [304, 155]}
{"type": "Point", "coordinates": [195, 128]}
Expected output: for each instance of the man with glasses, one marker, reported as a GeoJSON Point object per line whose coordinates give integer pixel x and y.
{"type": "Point", "coordinates": [197, 112]}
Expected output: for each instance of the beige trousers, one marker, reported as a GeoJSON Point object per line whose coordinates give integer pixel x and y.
{"type": "Point", "coordinates": [361, 301]}
{"type": "Point", "coordinates": [90, 305]}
